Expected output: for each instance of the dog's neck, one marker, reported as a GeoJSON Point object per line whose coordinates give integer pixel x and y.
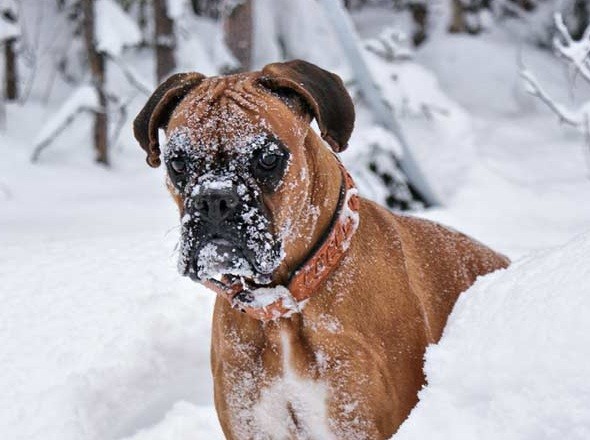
{"type": "Point", "coordinates": [320, 207]}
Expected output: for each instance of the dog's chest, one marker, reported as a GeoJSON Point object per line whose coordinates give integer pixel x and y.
{"type": "Point", "coordinates": [291, 406]}
{"type": "Point", "coordinates": [287, 405]}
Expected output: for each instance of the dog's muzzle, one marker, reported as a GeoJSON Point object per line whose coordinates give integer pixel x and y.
{"type": "Point", "coordinates": [226, 233]}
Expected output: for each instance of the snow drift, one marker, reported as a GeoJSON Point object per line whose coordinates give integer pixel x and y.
{"type": "Point", "coordinates": [513, 362]}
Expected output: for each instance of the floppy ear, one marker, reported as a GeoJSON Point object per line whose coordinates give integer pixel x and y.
{"type": "Point", "coordinates": [156, 112]}
{"type": "Point", "coordinates": [322, 91]}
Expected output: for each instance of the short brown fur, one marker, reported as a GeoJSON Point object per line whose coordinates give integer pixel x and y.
{"type": "Point", "coordinates": [364, 332]}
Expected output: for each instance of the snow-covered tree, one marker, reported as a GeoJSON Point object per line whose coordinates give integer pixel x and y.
{"type": "Point", "coordinates": [106, 30]}
{"type": "Point", "coordinates": [576, 54]}
{"type": "Point", "coordinates": [9, 34]}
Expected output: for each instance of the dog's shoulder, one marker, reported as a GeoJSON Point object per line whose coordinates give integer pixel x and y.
{"type": "Point", "coordinates": [438, 261]}
{"type": "Point", "coordinates": [428, 237]}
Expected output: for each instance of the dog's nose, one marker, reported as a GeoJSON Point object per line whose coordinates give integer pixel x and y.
{"type": "Point", "coordinates": [216, 204]}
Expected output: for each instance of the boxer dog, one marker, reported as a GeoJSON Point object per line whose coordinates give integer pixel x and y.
{"type": "Point", "coordinates": [325, 301]}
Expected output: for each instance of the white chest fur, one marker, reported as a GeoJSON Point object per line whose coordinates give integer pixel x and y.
{"type": "Point", "coordinates": [292, 406]}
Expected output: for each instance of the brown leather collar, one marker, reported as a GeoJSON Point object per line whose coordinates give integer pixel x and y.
{"type": "Point", "coordinates": [270, 303]}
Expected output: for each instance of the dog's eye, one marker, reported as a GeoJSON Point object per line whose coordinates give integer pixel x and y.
{"type": "Point", "coordinates": [269, 160]}
{"type": "Point", "coordinates": [269, 163]}
{"type": "Point", "coordinates": [178, 165]}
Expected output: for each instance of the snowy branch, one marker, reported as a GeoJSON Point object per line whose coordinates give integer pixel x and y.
{"type": "Point", "coordinates": [535, 89]}
{"type": "Point", "coordinates": [575, 52]}
{"type": "Point", "coordinates": [121, 109]}
{"type": "Point", "coordinates": [577, 55]}
{"type": "Point", "coordinates": [132, 77]}
{"type": "Point", "coordinates": [83, 100]}
{"type": "Point", "coordinates": [39, 147]}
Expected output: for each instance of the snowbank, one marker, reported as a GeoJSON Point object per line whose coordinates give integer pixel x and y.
{"type": "Point", "coordinates": [513, 361]}
{"type": "Point", "coordinates": [183, 421]}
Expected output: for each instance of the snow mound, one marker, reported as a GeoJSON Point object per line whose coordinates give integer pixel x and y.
{"type": "Point", "coordinates": [513, 361]}
{"type": "Point", "coordinates": [184, 420]}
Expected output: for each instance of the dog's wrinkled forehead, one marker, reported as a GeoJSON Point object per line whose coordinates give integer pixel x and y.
{"type": "Point", "coordinates": [223, 130]}
{"type": "Point", "coordinates": [225, 114]}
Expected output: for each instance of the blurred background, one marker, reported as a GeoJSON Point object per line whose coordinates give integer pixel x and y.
{"type": "Point", "coordinates": [473, 113]}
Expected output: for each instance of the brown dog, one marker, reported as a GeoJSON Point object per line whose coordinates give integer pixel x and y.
{"type": "Point", "coordinates": [341, 296]}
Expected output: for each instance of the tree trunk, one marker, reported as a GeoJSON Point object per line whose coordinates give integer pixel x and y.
{"type": "Point", "coordinates": [580, 19]}
{"type": "Point", "coordinates": [165, 40]}
{"type": "Point", "coordinates": [237, 27]}
{"type": "Point", "coordinates": [97, 70]}
{"type": "Point", "coordinates": [9, 15]}
{"type": "Point", "coordinates": [419, 13]}
{"type": "Point", "coordinates": [10, 70]}
{"type": "Point", "coordinates": [197, 7]}
{"type": "Point", "coordinates": [142, 21]}
{"type": "Point", "coordinates": [465, 17]}
{"type": "Point", "coordinates": [457, 20]}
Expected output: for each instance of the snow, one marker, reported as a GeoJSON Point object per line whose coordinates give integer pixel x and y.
{"type": "Point", "coordinates": [8, 29]}
{"type": "Point", "coordinates": [513, 360]}
{"type": "Point", "coordinates": [84, 98]}
{"type": "Point", "coordinates": [176, 8]}
{"type": "Point", "coordinates": [114, 29]}
{"type": "Point", "coordinates": [183, 421]}
{"type": "Point", "coordinates": [100, 338]}
{"type": "Point", "coordinates": [436, 126]}
{"type": "Point", "coordinates": [303, 29]}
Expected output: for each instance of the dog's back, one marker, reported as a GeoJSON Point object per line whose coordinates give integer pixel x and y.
{"type": "Point", "coordinates": [441, 263]}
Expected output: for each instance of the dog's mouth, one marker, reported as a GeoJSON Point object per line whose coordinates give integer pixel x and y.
{"type": "Point", "coordinates": [227, 262]}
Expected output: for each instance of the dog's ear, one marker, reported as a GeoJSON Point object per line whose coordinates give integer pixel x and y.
{"type": "Point", "coordinates": [322, 92]}
{"type": "Point", "coordinates": [156, 112]}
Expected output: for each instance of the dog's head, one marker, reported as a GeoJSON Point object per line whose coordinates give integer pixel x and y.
{"type": "Point", "coordinates": [237, 164]}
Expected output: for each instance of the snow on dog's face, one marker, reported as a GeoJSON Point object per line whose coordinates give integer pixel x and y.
{"type": "Point", "coordinates": [227, 169]}
{"type": "Point", "coordinates": [226, 229]}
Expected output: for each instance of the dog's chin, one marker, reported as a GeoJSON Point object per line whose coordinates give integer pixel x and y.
{"type": "Point", "coordinates": [225, 262]}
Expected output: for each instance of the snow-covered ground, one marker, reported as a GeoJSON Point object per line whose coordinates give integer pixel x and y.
{"type": "Point", "coordinates": [513, 361]}
{"type": "Point", "coordinates": [101, 339]}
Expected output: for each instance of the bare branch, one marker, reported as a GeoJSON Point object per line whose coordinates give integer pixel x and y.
{"type": "Point", "coordinates": [58, 130]}
{"type": "Point", "coordinates": [535, 89]}
{"type": "Point", "coordinates": [575, 52]}
{"type": "Point", "coordinates": [132, 77]}
{"type": "Point", "coordinates": [121, 108]}
{"type": "Point", "coordinates": [577, 55]}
